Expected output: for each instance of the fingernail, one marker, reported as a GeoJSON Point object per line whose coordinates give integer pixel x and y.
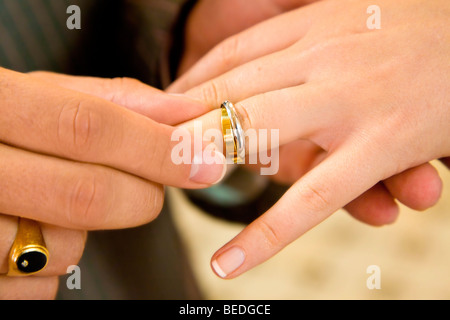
{"type": "Point", "coordinates": [208, 166]}
{"type": "Point", "coordinates": [228, 261]}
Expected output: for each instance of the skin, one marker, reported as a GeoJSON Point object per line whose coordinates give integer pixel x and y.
{"type": "Point", "coordinates": [48, 147]}
{"type": "Point", "coordinates": [419, 188]}
{"type": "Point", "coordinates": [83, 154]}
{"type": "Point", "coordinates": [374, 101]}
{"type": "Point", "coordinates": [202, 34]}
{"type": "Point", "coordinates": [24, 163]}
{"type": "Point", "coordinates": [377, 206]}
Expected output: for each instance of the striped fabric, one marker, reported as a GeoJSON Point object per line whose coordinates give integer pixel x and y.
{"type": "Point", "coordinates": [117, 38]}
{"type": "Point", "coordinates": [34, 36]}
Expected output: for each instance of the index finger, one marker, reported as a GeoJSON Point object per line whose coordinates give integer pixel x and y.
{"type": "Point", "coordinates": [76, 126]}
{"type": "Point", "coordinates": [340, 178]}
{"type": "Point", "coordinates": [133, 95]}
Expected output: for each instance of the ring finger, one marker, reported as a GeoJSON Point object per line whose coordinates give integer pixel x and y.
{"type": "Point", "coordinates": [65, 246]}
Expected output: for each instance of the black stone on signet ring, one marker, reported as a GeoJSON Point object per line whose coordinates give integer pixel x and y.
{"type": "Point", "coordinates": [32, 261]}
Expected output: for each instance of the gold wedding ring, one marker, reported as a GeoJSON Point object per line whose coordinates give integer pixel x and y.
{"type": "Point", "coordinates": [28, 254]}
{"type": "Point", "coordinates": [233, 134]}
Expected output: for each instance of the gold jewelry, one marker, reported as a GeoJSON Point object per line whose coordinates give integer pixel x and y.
{"type": "Point", "coordinates": [233, 134]}
{"type": "Point", "coordinates": [28, 254]}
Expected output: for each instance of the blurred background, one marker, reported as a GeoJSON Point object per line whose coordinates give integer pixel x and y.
{"type": "Point", "coordinates": [330, 261]}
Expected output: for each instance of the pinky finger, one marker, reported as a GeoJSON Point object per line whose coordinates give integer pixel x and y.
{"type": "Point", "coordinates": [418, 188]}
{"type": "Point", "coordinates": [376, 207]}
{"type": "Point", "coordinates": [28, 288]}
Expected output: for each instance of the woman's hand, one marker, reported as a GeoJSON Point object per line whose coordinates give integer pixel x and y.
{"type": "Point", "coordinates": [212, 21]}
{"type": "Point", "coordinates": [82, 154]}
{"type": "Point", "coordinates": [418, 188]}
{"type": "Point", "coordinates": [376, 101]}
{"type": "Point", "coordinates": [376, 206]}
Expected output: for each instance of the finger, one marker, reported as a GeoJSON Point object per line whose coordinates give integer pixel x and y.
{"type": "Point", "coordinates": [84, 128]}
{"type": "Point", "coordinates": [289, 112]}
{"type": "Point", "coordinates": [339, 179]}
{"type": "Point", "coordinates": [72, 194]}
{"type": "Point", "coordinates": [133, 95]}
{"type": "Point", "coordinates": [247, 46]}
{"type": "Point", "coordinates": [418, 188]}
{"type": "Point", "coordinates": [65, 246]}
{"type": "Point", "coordinates": [28, 288]}
{"type": "Point", "coordinates": [295, 160]}
{"type": "Point", "coordinates": [268, 73]}
{"type": "Point", "coordinates": [376, 207]}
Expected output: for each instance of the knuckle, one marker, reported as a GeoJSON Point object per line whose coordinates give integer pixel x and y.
{"type": "Point", "coordinates": [272, 238]}
{"type": "Point", "coordinates": [315, 198]}
{"type": "Point", "coordinates": [119, 86]}
{"type": "Point", "coordinates": [87, 202]}
{"type": "Point", "coordinates": [124, 82]}
{"type": "Point", "coordinates": [146, 205]}
{"type": "Point", "coordinates": [78, 128]}
{"type": "Point", "coordinates": [155, 201]}
{"type": "Point", "coordinates": [212, 93]}
{"type": "Point", "coordinates": [228, 52]}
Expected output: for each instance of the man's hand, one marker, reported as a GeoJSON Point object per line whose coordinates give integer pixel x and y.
{"type": "Point", "coordinates": [82, 154]}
